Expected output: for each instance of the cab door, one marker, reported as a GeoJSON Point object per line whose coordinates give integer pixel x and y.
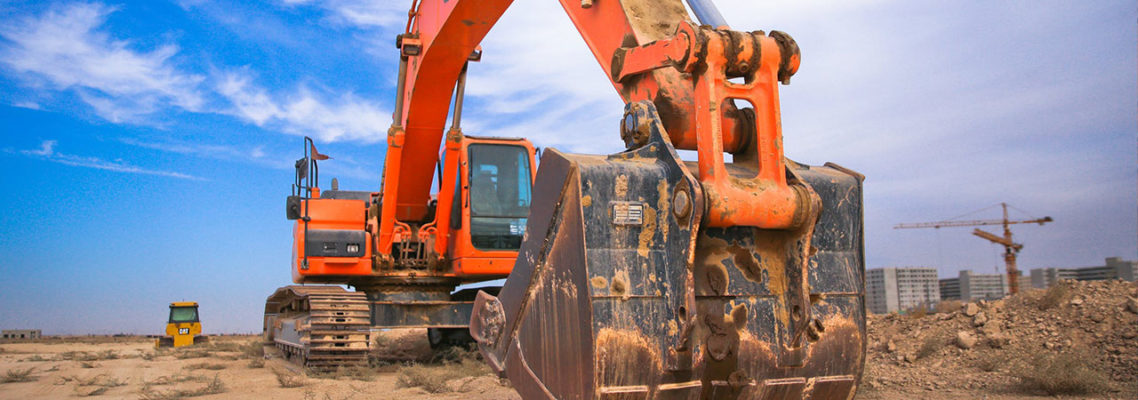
{"type": "Point", "coordinates": [495, 190]}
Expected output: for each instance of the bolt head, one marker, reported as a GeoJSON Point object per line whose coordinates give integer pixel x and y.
{"type": "Point", "coordinates": [681, 203]}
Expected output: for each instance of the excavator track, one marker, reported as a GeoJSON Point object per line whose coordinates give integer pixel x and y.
{"type": "Point", "coordinates": [319, 327]}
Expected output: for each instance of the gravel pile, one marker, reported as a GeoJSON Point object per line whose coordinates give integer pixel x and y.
{"type": "Point", "coordinates": [1077, 337]}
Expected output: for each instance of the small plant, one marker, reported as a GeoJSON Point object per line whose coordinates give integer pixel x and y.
{"type": "Point", "coordinates": [253, 349]}
{"type": "Point", "coordinates": [930, 346]}
{"type": "Point", "coordinates": [356, 372]}
{"type": "Point", "coordinates": [947, 306]}
{"type": "Point", "coordinates": [148, 356]}
{"type": "Point", "coordinates": [918, 312]}
{"type": "Point", "coordinates": [257, 363]}
{"type": "Point", "coordinates": [214, 386]}
{"type": "Point", "coordinates": [288, 380]}
{"type": "Point", "coordinates": [429, 378]}
{"type": "Point", "coordinates": [187, 354]}
{"type": "Point", "coordinates": [170, 380]}
{"type": "Point", "coordinates": [88, 364]}
{"type": "Point", "coordinates": [433, 379]}
{"type": "Point", "coordinates": [989, 363]}
{"type": "Point", "coordinates": [35, 357]}
{"type": "Point", "coordinates": [18, 375]}
{"type": "Point", "coordinates": [1060, 373]}
{"type": "Point", "coordinates": [1054, 296]}
{"type": "Point", "coordinates": [205, 365]}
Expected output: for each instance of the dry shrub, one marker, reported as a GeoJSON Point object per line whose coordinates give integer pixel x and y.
{"type": "Point", "coordinates": [92, 386]}
{"type": "Point", "coordinates": [1060, 373]}
{"type": "Point", "coordinates": [253, 349]}
{"type": "Point", "coordinates": [918, 312]}
{"type": "Point", "coordinates": [194, 353]}
{"type": "Point", "coordinates": [35, 357]}
{"type": "Point", "coordinates": [205, 365]}
{"type": "Point", "coordinates": [930, 346]}
{"type": "Point", "coordinates": [88, 364]}
{"type": "Point", "coordinates": [311, 395]}
{"type": "Point", "coordinates": [288, 379]}
{"type": "Point", "coordinates": [433, 379]}
{"type": "Point", "coordinates": [257, 363]}
{"type": "Point", "coordinates": [214, 386]}
{"type": "Point", "coordinates": [226, 346]}
{"type": "Point", "coordinates": [989, 362]}
{"type": "Point", "coordinates": [18, 375]}
{"type": "Point", "coordinates": [361, 373]}
{"type": "Point", "coordinates": [1054, 296]}
{"type": "Point", "coordinates": [948, 306]}
{"type": "Point", "coordinates": [148, 356]}
{"type": "Point", "coordinates": [170, 380]}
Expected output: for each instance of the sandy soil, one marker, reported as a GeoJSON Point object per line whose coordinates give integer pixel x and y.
{"type": "Point", "coordinates": [970, 351]}
{"type": "Point", "coordinates": [59, 372]}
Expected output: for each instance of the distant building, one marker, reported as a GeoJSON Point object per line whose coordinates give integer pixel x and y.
{"type": "Point", "coordinates": [20, 334]}
{"type": "Point", "coordinates": [896, 289]}
{"type": "Point", "coordinates": [1042, 278]}
{"type": "Point", "coordinates": [950, 289]}
{"type": "Point", "coordinates": [983, 286]}
{"type": "Point", "coordinates": [1115, 268]}
{"type": "Point", "coordinates": [970, 286]}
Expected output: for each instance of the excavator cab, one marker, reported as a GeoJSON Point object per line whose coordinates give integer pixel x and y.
{"type": "Point", "coordinates": [491, 204]}
{"type": "Point", "coordinates": [184, 328]}
{"type": "Point", "coordinates": [485, 218]}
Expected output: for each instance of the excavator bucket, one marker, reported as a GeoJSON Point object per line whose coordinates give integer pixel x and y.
{"type": "Point", "coordinates": [619, 293]}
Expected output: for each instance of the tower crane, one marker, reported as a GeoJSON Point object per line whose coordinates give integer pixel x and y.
{"type": "Point", "coordinates": [1011, 248]}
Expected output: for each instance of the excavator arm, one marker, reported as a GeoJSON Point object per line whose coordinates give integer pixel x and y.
{"type": "Point", "coordinates": [671, 70]}
{"type": "Point", "coordinates": [643, 275]}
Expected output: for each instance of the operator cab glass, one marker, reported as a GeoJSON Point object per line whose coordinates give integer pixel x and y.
{"type": "Point", "coordinates": [183, 314]}
{"type": "Point", "coordinates": [500, 183]}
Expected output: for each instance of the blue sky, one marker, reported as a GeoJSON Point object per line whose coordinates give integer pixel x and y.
{"type": "Point", "coordinates": [148, 145]}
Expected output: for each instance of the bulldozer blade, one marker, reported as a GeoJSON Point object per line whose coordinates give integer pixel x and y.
{"type": "Point", "coordinates": [618, 293]}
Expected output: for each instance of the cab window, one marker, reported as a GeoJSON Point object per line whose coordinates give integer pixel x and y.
{"type": "Point", "coordinates": [183, 314]}
{"type": "Point", "coordinates": [499, 195]}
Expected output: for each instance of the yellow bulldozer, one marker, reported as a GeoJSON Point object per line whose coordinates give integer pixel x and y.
{"type": "Point", "coordinates": [184, 328]}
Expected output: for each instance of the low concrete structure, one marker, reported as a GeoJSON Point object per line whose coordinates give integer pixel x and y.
{"type": "Point", "coordinates": [20, 334]}
{"type": "Point", "coordinates": [1115, 268]}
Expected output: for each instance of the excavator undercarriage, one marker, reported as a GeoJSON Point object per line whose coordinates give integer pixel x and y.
{"type": "Point", "coordinates": [319, 327]}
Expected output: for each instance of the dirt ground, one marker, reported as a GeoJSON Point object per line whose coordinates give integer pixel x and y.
{"type": "Point", "coordinates": [229, 367]}
{"type": "Point", "coordinates": [1039, 344]}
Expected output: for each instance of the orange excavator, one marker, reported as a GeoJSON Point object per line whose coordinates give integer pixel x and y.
{"type": "Point", "coordinates": [631, 275]}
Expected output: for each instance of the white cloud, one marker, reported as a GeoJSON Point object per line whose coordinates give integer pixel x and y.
{"type": "Point", "coordinates": [46, 149]}
{"type": "Point", "coordinates": [47, 152]}
{"type": "Point", "coordinates": [255, 154]}
{"type": "Point", "coordinates": [363, 13]}
{"type": "Point", "coordinates": [305, 112]}
{"type": "Point", "coordinates": [31, 105]}
{"type": "Point", "coordinates": [65, 49]}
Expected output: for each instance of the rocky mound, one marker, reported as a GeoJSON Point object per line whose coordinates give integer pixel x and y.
{"type": "Point", "coordinates": [1074, 338]}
